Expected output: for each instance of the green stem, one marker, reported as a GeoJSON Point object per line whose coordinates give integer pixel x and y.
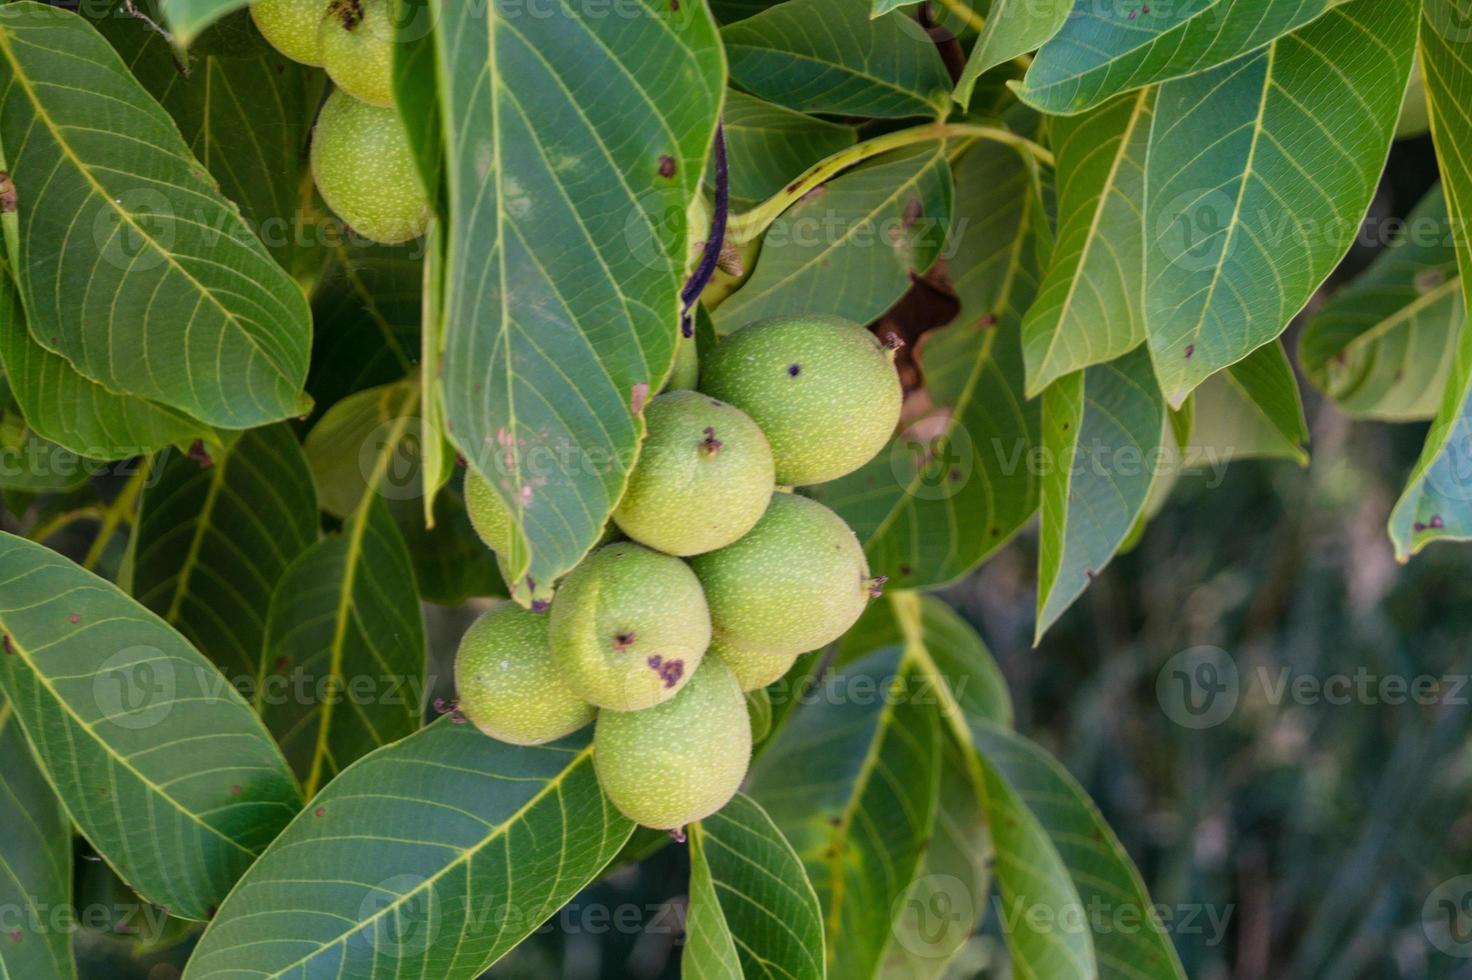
{"type": "Point", "coordinates": [119, 510]}
{"type": "Point", "coordinates": [62, 521]}
{"type": "Point", "coordinates": [749, 224]}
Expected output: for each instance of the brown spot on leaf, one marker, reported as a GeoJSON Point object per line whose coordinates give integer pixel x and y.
{"type": "Point", "coordinates": [200, 454]}
{"type": "Point", "coordinates": [74, 619]}
{"type": "Point", "coordinates": [1436, 522]}
{"type": "Point", "coordinates": [638, 395]}
{"type": "Point", "coordinates": [321, 811]}
{"type": "Point", "coordinates": [666, 165]}
{"type": "Point", "coordinates": [1190, 349]}
{"type": "Point", "coordinates": [7, 194]}
{"type": "Point", "coordinates": [912, 212]}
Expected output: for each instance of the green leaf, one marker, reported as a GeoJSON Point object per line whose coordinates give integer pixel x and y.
{"type": "Point", "coordinates": [164, 269]}
{"type": "Point", "coordinates": [1100, 873]}
{"type": "Point", "coordinates": [1238, 236]}
{"type": "Point", "coordinates": [850, 248]}
{"type": "Point", "coordinates": [372, 434]}
{"type": "Point", "coordinates": [852, 782]}
{"type": "Point", "coordinates": [920, 524]}
{"type": "Point", "coordinates": [187, 18]}
{"type": "Point", "coordinates": [1383, 346]}
{"type": "Point", "coordinates": [1012, 28]}
{"type": "Point", "coordinates": [417, 94]}
{"type": "Point", "coordinates": [1062, 872]}
{"type": "Point", "coordinates": [432, 857]}
{"type": "Point", "coordinates": [212, 542]}
{"type": "Point", "coordinates": [768, 145]}
{"type": "Point", "coordinates": [35, 866]}
{"type": "Point", "coordinates": [451, 563]}
{"type": "Point", "coordinates": [1088, 307]}
{"type": "Point", "coordinates": [245, 110]}
{"type": "Point", "coordinates": [38, 466]}
{"type": "Point", "coordinates": [829, 56]}
{"type": "Point", "coordinates": [753, 911]}
{"type": "Point", "coordinates": [572, 136]}
{"type": "Point", "coordinates": [159, 762]}
{"type": "Point", "coordinates": [1102, 428]}
{"type": "Point", "coordinates": [73, 411]}
{"type": "Point", "coordinates": [1437, 501]}
{"type": "Point", "coordinates": [345, 626]}
{"type": "Point", "coordinates": [1252, 409]}
{"type": "Point", "coordinates": [366, 310]}
{"type": "Point", "coordinates": [1105, 49]}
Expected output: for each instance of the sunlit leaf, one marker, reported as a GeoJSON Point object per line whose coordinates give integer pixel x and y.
{"type": "Point", "coordinates": [572, 135]}
{"type": "Point", "coordinates": [1239, 235]}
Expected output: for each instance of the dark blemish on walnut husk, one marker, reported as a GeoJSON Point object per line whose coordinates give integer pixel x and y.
{"type": "Point", "coordinates": [669, 671]}
{"type": "Point", "coordinates": [666, 165]}
{"type": "Point", "coordinates": [710, 445]}
{"type": "Point", "coordinates": [793, 370]}
{"type": "Point", "coordinates": [349, 13]}
{"type": "Point", "coordinates": [622, 641]}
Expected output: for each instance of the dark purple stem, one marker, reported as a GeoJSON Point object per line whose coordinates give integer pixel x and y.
{"type": "Point", "coordinates": [700, 278]}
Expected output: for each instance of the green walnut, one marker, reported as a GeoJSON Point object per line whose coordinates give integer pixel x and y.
{"type": "Point", "coordinates": [629, 627]}
{"type": "Point", "coordinates": [507, 684]}
{"type": "Point", "coordinates": [795, 583]}
{"type": "Point", "coordinates": [679, 761]}
{"type": "Point", "coordinates": [356, 39]}
{"type": "Point", "coordinates": [703, 478]}
{"type": "Point", "coordinates": [754, 669]}
{"type": "Point", "coordinates": [492, 521]}
{"type": "Point", "coordinates": [365, 170]}
{"type": "Point", "coordinates": [291, 27]}
{"type": "Point", "coordinates": [824, 390]}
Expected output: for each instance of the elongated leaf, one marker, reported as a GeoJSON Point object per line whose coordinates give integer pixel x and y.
{"type": "Point", "coordinates": [370, 435]}
{"type": "Point", "coordinates": [1088, 307]}
{"type": "Point", "coordinates": [1252, 409]}
{"type": "Point", "coordinates": [71, 410]}
{"type": "Point", "coordinates": [769, 145]}
{"type": "Point", "coordinates": [1104, 879]}
{"type": "Point", "coordinates": [159, 762]}
{"type": "Point", "coordinates": [829, 56]}
{"type": "Point", "coordinates": [1259, 174]}
{"type": "Point", "coordinates": [1437, 501]}
{"type": "Point", "coordinates": [1384, 346]}
{"type": "Point", "coordinates": [753, 911]}
{"type": "Point", "coordinates": [245, 111]}
{"type": "Point", "coordinates": [851, 248]}
{"type": "Point", "coordinates": [1101, 429]}
{"type": "Point", "coordinates": [187, 18]}
{"type": "Point", "coordinates": [957, 483]}
{"type": "Point", "coordinates": [852, 782]}
{"type": "Point", "coordinates": [572, 136]}
{"type": "Point", "coordinates": [35, 866]}
{"type": "Point", "coordinates": [163, 266]}
{"type": "Point", "coordinates": [1105, 49]}
{"type": "Point", "coordinates": [34, 465]}
{"type": "Point", "coordinates": [213, 541]}
{"type": "Point", "coordinates": [345, 626]}
{"type": "Point", "coordinates": [432, 857]}
{"type": "Point", "coordinates": [1012, 28]}
{"type": "Point", "coordinates": [1066, 882]}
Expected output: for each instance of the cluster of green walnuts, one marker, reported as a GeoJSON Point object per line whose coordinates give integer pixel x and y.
{"type": "Point", "coordinates": [716, 577]}
{"type": "Point", "coordinates": [362, 162]}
